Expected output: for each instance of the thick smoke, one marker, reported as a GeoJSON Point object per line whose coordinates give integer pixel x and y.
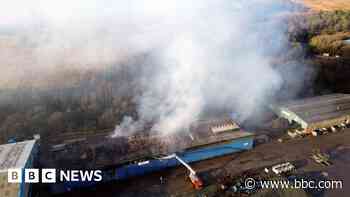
{"type": "Point", "coordinates": [217, 55]}
{"type": "Point", "coordinates": [204, 54]}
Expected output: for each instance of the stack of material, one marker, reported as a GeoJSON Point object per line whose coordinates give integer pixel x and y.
{"type": "Point", "coordinates": [225, 125]}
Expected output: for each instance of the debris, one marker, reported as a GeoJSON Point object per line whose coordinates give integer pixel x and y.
{"type": "Point", "coordinates": [325, 174]}
{"type": "Point", "coordinates": [266, 170]}
{"type": "Point", "coordinates": [292, 133]}
{"type": "Point", "coordinates": [333, 129]}
{"type": "Point", "coordinates": [321, 158]}
{"type": "Point", "coordinates": [222, 186]}
{"type": "Point", "coordinates": [343, 125]}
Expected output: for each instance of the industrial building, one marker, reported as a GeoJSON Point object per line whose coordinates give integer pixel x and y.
{"type": "Point", "coordinates": [321, 112]}
{"type": "Point", "coordinates": [145, 152]}
{"type": "Point", "coordinates": [19, 155]}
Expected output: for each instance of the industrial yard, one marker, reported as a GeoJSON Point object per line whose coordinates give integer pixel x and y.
{"type": "Point", "coordinates": [221, 173]}
{"type": "Point", "coordinates": [226, 168]}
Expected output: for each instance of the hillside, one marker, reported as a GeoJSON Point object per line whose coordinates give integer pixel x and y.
{"type": "Point", "coordinates": [327, 5]}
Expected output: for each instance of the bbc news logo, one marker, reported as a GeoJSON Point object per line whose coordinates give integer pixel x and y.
{"type": "Point", "coordinates": [51, 175]}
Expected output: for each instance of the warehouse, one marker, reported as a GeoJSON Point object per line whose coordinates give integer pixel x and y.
{"type": "Point", "coordinates": [321, 112]}
{"type": "Point", "coordinates": [147, 152]}
{"type": "Point", "coordinates": [94, 152]}
{"type": "Point", "coordinates": [16, 156]}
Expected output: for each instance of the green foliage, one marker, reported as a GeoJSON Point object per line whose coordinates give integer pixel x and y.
{"type": "Point", "coordinates": [329, 43]}
{"type": "Point", "coordinates": [329, 22]}
{"type": "Point", "coordinates": [323, 31]}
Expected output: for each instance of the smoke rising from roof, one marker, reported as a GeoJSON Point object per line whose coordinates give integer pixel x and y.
{"type": "Point", "coordinates": [204, 54]}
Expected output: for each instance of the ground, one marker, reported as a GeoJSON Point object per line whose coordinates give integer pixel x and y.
{"type": "Point", "coordinates": [215, 170]}
{"type": "Point", "coordinates": [327, 5]}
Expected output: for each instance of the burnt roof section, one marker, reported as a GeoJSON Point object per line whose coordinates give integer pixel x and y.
{"type": "Point", "coordinates": [320, 108]}
{"type": "Point", "coordinates": [107, 151]}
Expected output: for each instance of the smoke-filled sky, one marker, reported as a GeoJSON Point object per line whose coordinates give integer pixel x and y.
{"type": "Point", "coordinates": [206, 54]}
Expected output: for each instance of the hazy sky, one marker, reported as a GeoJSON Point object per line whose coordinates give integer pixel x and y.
{"type": "Point", "coordinates": [22, 12]}
{"type": "Point", "coordinates": [206, 53]}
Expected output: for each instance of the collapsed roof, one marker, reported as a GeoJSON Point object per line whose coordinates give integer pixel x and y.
{"type": "Point", "coordinates": [106, 151]}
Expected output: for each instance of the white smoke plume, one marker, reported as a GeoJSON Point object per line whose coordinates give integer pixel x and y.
{"type": "Point", "coordinates": [205, 54]}
{"type": "Point", "coordinates": [218, 56]}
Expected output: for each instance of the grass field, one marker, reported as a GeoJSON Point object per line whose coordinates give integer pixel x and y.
{"type": "Point", "coordinates": [327, 5]}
